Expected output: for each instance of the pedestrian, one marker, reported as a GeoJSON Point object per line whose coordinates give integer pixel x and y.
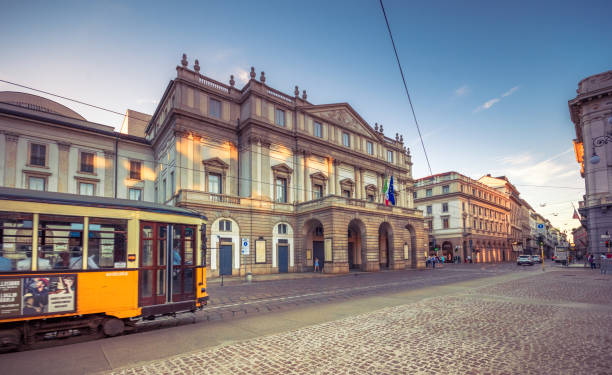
{"type": "Point", "coordinates": [427, 261]}
{"type": "Point", "coordinates": [433, 262]}
{"type": "Point", "coordinates": [591, 261]}
{"type": "Point", "coordinates": [316, 264]}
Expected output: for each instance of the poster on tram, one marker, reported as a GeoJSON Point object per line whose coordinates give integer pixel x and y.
{"type": "Point", "coordinates": [40, 295]}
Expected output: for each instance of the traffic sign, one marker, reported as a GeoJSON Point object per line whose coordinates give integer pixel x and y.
{"type": "Point", "coordinates": [540, 227]}
{"type": "Point", "coordinates": [245, 246]}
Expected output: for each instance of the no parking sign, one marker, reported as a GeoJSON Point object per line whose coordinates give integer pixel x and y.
{"type": "Point", "coordinates": [245, 246]}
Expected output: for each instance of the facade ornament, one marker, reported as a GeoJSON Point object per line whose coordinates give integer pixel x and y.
{"type": "Point", "coordinates": [297, 91]}
{"type": "Point", "coordinates": [184, 62]}
{"type": "Point", "coordinates": [252, 74]}
{"type": "Point", "coordinates": [196, 66]}
{"type": "Point", "coordinates": [401, 138]}
{"type": "Point", "coordinates": [381, 129]}
{"type": "Point", "coordinates": [304, 95]}
{"type": "Point", "coordinates": [376, 127]}
{"type": "Point", "coordinates": [232, 82]}
{"type": "Point", "coordinates": [262, 77]}
{"type": "Point", "coordinates": [396, 137]}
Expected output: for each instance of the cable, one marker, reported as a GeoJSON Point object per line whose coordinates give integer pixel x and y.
{"type": "Point", "coordinates": [406, 86]}
{"type": "Point", "coordinates": [552, 187]}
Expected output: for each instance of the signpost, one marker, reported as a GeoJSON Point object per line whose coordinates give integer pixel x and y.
{"type": "Point", "coordinates": [245, 251]}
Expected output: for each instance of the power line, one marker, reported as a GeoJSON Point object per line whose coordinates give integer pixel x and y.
{"type": "Point", "coordinates": [552, 187]}
{"type": "Point", "coordinates": [405, 86]}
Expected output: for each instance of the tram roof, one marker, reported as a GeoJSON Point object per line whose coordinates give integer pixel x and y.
{"type": "Point", "coordinates": [88, 201]}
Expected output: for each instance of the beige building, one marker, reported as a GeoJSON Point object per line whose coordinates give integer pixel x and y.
{"type": "Point", "coordinates": [297, 181]}
{"type": "Point", "coordinates": [464, 217]}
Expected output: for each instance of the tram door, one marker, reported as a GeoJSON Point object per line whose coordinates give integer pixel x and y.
{"type": "Point", "coordinates": [166, 267]}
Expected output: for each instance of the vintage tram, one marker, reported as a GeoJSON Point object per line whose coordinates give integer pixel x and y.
{"type": "Point", "coordinates": [73, 263]}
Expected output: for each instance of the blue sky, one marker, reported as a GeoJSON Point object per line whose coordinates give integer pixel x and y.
{"type": "Point", "coordinates": [489, 81]}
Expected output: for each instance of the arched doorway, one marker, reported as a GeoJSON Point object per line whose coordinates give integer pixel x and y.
{"type": "Point", "coordinates": [314, 244]}
{"type": "Point", "coordinates": [447, 250]}
{"type": "Point", "coordinates": [356, 245]}
{"type": "Point", "coordinates": [282, 247]}
{"type": "Point", "coordinates": [385, 245]}
{"type": "Point", "coordinates": [411, 256]}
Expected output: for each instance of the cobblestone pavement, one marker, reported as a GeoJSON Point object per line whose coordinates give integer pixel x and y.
{"type": "Point", "coordinates": [557, 322]}
{"type": "Point", "coordinates": [238, 299]}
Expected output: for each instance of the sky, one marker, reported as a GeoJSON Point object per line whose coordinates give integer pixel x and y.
{"type": "Point", "coordinates": [489, 81]}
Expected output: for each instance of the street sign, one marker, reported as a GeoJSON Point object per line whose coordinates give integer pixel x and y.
{"type": "Point", "coordinates": [245, 246]}
{"type": "Point", "coordinates": [540, 227]}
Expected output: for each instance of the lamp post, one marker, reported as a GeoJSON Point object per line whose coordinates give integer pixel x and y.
{"type": "Point", "coordinates": [600, 141]}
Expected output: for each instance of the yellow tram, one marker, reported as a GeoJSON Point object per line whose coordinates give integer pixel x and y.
{"type": "Point", "coordinates": [88, 263]}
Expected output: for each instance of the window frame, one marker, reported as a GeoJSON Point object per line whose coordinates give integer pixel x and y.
{"type": "Point", "coordinates": [346, 139]}
{"type": "Point", "coordinates": [132, 188]}
{"type": "Point", "coordinates": [220, 185]}
{"type": "Point", "coordinates": [140, 164]}
{"type": "Point", "coordinates": [370, 148]}
{"type": "Point", "coordinates": [445, 189]}
{"type": "Point", "coordinates": [445, 207]}
{"type": "Point", "coordinates": [278, 117]}
{"type": "Point", "coordinates": [82, 153]}
{"type": "Point", "coordinates": [390, 156]}
{"type": "Point", "coordinates": [46, 156]}
{"type": "Point", "coordinates": [280, 198]}
{"type": "Point", "coordinates": [211, 113]}
{"type": "Point", "coordinates": [83, 183]}
{"type": "Point", "coordinates": [317, 128]}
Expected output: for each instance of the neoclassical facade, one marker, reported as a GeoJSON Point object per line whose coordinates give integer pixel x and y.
{"type": "Point", "coordinates": [297, 181]}
{"type": "Point", "coordinates": [465, 217]}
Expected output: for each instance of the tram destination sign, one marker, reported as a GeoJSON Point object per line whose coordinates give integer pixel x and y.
{"type": "Point", "coordinates": [40, 295]}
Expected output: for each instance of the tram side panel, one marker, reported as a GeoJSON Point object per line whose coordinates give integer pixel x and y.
{"type": "Point", "coordinates": [112, 292]}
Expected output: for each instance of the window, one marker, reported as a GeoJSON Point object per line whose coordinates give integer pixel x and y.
{"type": "Point", "coordinates": [172, 186]}
{"type": "Point", "coordinates": [87, 162]}
{"type": "Point", "coordinates": [318, 191]}
{"type": "Point", "coordinates": [445, 223]}
{"type": "Point", "coordinates": [214, 183]}
{"type": "Point", "coordinates": [479, 194]}
{"type": "Point", "coordinates": [390, 156]}
{"type": "Point", "coordinates": [473, 191]}
{"type": "Point", "coordinates": [86, 188]}
{"type": "Point", "coordinates": [462, 206]}
{"type": "Point", "coordinates": [107, 243]}
{"type": "Point", "coordinates": [37, 183]}
{"type": "Point", "coordinates": [444, 207]}
{"type": "Point", "coordinates": [282, 228]}
{"type": "Point", "coordinates": [346, 139]}
{"type": "Point", "coordinates": [370, 198]}
{"type": "Point", "coordinates": [429, 210]}
{"type": "Point", "coordinates": [346, 193]}
{"type": "Point", "coordinates": [474, 224]}
{"type": "Point", "coordinates": [135, 194]}
{"type": "Point", "coordinates": [430, 225]}
{"type": "Point", "coordinates": [479, 211]}
{"type": "Point", "coordinates": [225, 226]}
{"type": "Point", "coordinates": [474, 209]}
{"type": "Point", "coordinates": [165, 196]}
{"type": "Point", "coordinates": [318, 130]}
{"type": "Point", "coordinates": [135, 170]}
{"type": "Point", "coordinates": [461, 187]}
{"type": "Point", "coordinates": [281, 190]}
{"type": "Point", "coordinates": [414, 195]}
{"type": "Point", "coordinates": [61, 243]}
{"type": "Point", "coordinates": [370, 148]}
{"type": "Point", "coordinates": [279, 117]}
{"type": "Point", "coordinates": [38, 155]}
{"type": "Point", "coordinates": [214, 108]}
{"type": "Point", "coordinates": [445, 189]}
{"type": "Point", "coordinates": [16, 241]}
{"type": "Point", "coordinates": [318, 231]}
{"type": "Point", "coordinates": [428, 193]}
{"type": "Point", "coordinates": [480, 224]}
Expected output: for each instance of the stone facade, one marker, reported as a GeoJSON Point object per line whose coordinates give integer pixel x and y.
{"type": "Point", "coordinates": [591, 113]}
{"type": "Point", "coordinates": [465, 217]}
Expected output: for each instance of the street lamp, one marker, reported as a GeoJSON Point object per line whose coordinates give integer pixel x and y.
{"type": "Point", "coordinates": [600, 141]}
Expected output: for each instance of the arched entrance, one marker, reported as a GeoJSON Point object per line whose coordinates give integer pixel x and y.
{"type": "Point", "coordinates": [447, 250]}
{"type": "Point", "coordinates": [411, 257]}
{"type": "Point", "coordinates": [385, 245]}
{"type": "Point", "coordinates": [356, 245]}
{"type": "Point", "coordinates": [314, 244]}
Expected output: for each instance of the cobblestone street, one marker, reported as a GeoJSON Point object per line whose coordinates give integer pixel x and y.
{"type": "Point", "coordinates": [558, 322]}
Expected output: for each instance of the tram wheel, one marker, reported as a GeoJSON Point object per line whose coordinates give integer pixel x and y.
{"type": "Point", "coordinates": [113, 326]}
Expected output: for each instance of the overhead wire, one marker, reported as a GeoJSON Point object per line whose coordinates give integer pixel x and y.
{"type": "Point", "coordinates": [405, 86]}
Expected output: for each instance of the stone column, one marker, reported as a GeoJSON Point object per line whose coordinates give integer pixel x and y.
{"type": "Point", "coordinates": [306, 184]}
{"type": "Point", "coordinates": [10, 159]}
{"type": "Point", "coordinates": [109, 173]}
{"type": "Point", "coordinates": [357, 182]}
{"type": "Point", "coordinates": [255, 153]}
{"type": "Point", "coordinates": [233, 180]}
{"type": "Point", "coordinates": [299, 180]}
{"type": "Point", "coordinates": [331, 187]}
{"type": "Point", "coordinates": [362, 184]}
{"type": "Point", "coordinates": [264, 173]}
{"type": "Point", "coordinates": [63, 168]}
{"type": "Point", "coordinates": [196, 162]}
{"type": "Point", "coordinates": [379, 185]}
{"type": "Point", "coordinates": [337, 177]}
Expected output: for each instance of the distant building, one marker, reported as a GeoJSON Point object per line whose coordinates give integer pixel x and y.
{"type": "Point", "coordinates": [465, 217]}
{"type": "Point", "coordinates": [591, 113]}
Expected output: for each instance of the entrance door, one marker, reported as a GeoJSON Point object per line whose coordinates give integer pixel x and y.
{"type": "Point", "coordinates": [318, 249]}
{"type": "Point", "coordinates": [283, 258]}
{"type": "Point", "coordinates": [225, 260]}
{"type": "Point", "coordinates": [351, 255]}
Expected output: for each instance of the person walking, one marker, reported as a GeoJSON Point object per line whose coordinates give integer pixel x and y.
{"type": "Point", "coordinates": [316, 264]}
{"type": "Point", "coordinates": [591, 261]}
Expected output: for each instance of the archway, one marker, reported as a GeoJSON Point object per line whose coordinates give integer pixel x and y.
{"type": "Point", "coordinates": [385, 245]}
{"type": "Point", "coordinates": [411, 256]}
{"type": "Point", "coordinates": [356, 254]}
{"type": "Point", "coordinates": [314, 243]}
{"type": "Point", "coordinates": [447, 250]}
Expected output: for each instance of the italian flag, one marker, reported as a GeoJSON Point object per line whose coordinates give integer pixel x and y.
{"type": "Point", "coordinates": [388, 192]}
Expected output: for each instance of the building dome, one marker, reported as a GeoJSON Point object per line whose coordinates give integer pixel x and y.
{"type": "Point", "coordinates": [37, 103]}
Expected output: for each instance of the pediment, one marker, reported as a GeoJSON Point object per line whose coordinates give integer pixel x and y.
{"type": "Point", "coordinates": [282, 168]}
{"type": "Point", "coordinates": [318, 176]}
{"type": "Point", "coordinates": [343, 115]}
{"type": "Point", "coordinates": [215, 163]}
{"type": "Point", "coordinates": [347, 182]}
{"type": "Point", "coordinates": [371, 187]}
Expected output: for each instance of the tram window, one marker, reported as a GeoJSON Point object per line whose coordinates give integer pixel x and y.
{"type": "Point", "coordinates": [15, 241]}
{"type": "Point", "coordinates": [106, 245]}
{"type": "Point", "coordinates": [60, 243]}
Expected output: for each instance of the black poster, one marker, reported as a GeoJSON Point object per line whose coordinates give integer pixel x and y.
{"type": "Point", "coordinates": [10, 297]}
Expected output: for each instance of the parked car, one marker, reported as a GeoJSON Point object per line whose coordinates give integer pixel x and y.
{"type": "Point", "coordinates": [536, 259]}
{"type": "Point", "coordinates": [524, 259]}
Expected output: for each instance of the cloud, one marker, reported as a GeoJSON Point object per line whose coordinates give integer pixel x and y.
{"type": "Point", "coordinates": [510, 92]}
{"type": "Point", "coordinates": [147, 101]}
{"type": "Point", "coordinates": [489, 103]}
{"type": "Point", "coordinates": [462, 91]}
{"type": "Point", "coordinates": [522, 168]}
{"type": "Point", "coordinates": [523, 158]}
{"type": "Point", "coordinates": [243, 76]}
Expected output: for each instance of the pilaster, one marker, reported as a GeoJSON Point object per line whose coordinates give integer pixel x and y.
{"type": "Point", "coordinates": [10, 157]}
{"type": "Point", "coordinates": [63, 168]}
{"type": "Point", "coordinates": [109, 173]}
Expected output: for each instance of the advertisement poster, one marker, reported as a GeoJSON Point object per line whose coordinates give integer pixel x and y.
{"type": "Point", "coordinates": [40, 295]}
